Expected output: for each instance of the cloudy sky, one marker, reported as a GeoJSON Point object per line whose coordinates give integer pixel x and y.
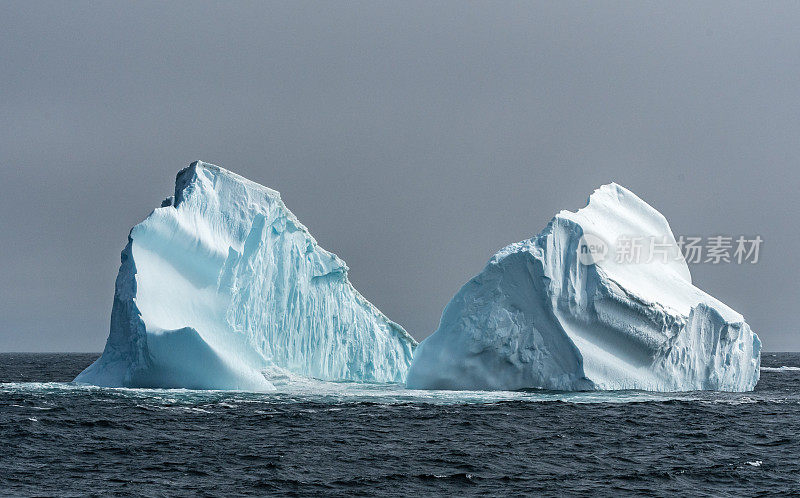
{"type": "Point", "coordinates": [413, 139]}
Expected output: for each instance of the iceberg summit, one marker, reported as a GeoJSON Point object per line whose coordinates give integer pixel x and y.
{"type": "Point", "coordinates": [562, 312]}
{"type": "Point", "coordinates": [223, 288]}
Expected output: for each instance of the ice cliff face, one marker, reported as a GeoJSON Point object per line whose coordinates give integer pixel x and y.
{"type": "Point", "coordinates": [543, 315]}
{"type": "Point", "coordinates": [223, 288]}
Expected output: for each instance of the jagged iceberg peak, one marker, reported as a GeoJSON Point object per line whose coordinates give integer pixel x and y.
{"type": "Point", "coordinates": [223, 288]}
{"type": "Point", "coordinates": [546, 313]}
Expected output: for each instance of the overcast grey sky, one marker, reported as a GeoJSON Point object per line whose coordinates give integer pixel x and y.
{"type": "Point", "coordinates": [413, 139]}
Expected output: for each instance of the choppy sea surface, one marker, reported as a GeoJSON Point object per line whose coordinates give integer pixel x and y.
{"type": "Point", "coordinates": [344, 439]}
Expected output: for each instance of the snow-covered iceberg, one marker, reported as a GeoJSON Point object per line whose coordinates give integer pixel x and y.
{"type": "Point", "coordinates": [564, 311]}
{"type": "Point", "coordinates": [223, 288]}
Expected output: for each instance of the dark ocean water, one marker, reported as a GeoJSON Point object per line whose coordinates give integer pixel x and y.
{"type": "Point", "coordinates": [344, 439]}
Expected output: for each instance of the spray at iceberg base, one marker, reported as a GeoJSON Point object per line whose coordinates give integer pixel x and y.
{"type": "Point", "coordinates": [540, 316]}
{"type": "Point", "coordinates": [223, 288]}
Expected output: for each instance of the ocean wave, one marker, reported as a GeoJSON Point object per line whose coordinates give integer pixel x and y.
{"type": "Point", "coordinates": [335, 393]}
{"type": "Point", "coordinates": [783, 368]}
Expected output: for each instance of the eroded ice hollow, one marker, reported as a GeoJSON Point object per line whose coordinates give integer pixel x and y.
{"type": "Point", "coordinates": [540, 315]}
{"type": "Point", "coordinates": [223, 288]}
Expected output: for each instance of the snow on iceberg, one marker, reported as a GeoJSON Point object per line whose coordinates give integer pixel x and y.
{"type": "Point", "coordinates": [562, 311]}
{"type": "Point", "coordinates": [223, 288]}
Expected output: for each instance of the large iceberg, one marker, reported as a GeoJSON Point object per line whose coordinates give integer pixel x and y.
{"type": "Point", "coordinates": [564, 311]}
{"type": "Point", "coordinates": [223, 288]}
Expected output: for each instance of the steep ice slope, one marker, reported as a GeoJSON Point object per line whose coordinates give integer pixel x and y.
{"type": "Point", "coordinates": [539, 315]}
{"type": "Point", "coordinates": [223, 288]}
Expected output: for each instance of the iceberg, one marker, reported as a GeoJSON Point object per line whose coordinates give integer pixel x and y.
{"type": "Point", "coordinates": [562, 311]}
{"type": "Point", "coordinates": [223, 288]}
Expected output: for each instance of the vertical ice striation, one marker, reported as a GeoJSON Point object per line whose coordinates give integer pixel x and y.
{"type": "Point", "coordinates": [223, 288]}
{"type": "Point", "coordinates": [540, 315]}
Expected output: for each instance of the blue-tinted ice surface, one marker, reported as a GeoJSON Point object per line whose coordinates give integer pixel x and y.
{"type": "Point", "coordinates": [223, 288]}
{"type": "Point", "coordinates": [546, 314]}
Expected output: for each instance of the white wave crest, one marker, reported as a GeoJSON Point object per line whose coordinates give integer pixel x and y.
{"type": "Point", "coordinates": [783, 368]}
